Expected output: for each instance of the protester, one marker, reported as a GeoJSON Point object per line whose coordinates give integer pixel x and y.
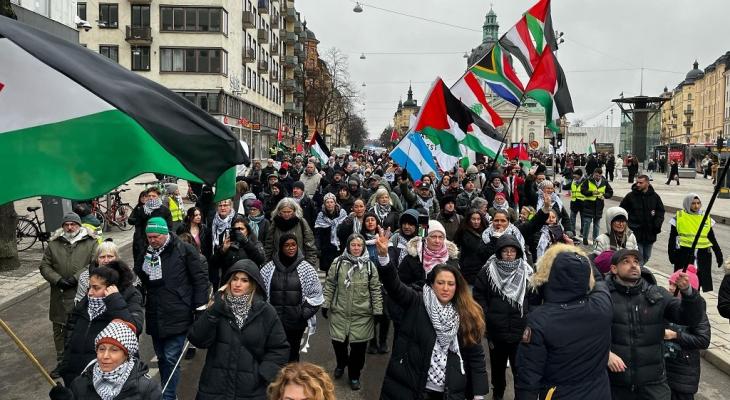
{"type": "Point", "coordinates": [311, 179]}
{"type": "Point", "coordinates": [245, 340]}
{"type": "Point", "coordinates": [353, 299]}
{"type": "Point", "coordinates": [550, 233]}
{"type": "Point", "coordinates": [636, 362]}
{"type": "Point", "coordinates": [383, 210]}
{"type": "Point", "coordinates": [239, 243]}
{"type": "Point", "coordinates": [564, 348]}
{"type": "Point", "coordinates": [309, 209]}
{"type": "Point", "coordinates": [425, 253]}
{"type": "Point", "coordinates": [501, 203]}
{"type": "Point", "coordinates": [116, 373]}
{"type": "Point", "coordinates": [175, 287]}
{"type": "Point", "coordinates": [617, 235]}
{"type": "Point", "coordinates": [440, 336]}
{"type": "Point", "coordinates": [257, 221]}
{"type": "Point", "coordinates": [174, 202]}
{"type": "Point", "coordinates": [353, 222]}
{"type": "Point", "coordinates": [469, 238]}
{"type": "Point", "coordinates": [723, 296]}
{"type": "Point", "coordinates": [465, 198]}
{"type": "Point", "coordinates": [106, 252]}
{"type": "Point", "coordinates": [420, 198]}
{"type": "Point", "coordinates": [594, 190]}
{"type": "Point", "coordinates": [70, 250]}
{"type": "Point", "coordinates": [576, 198]}
{"type": "Point", "coordinates": [288, 217]}
{"type": "Point", "coordinates": [293, 288]}
{"type": "Point", "coordinates": [325, 231]}
{"type": "Point", "coordinates": [152, 207]}
{"type": "Point", "coordinates": [448, 217]}
{"type": "Point", "coordinates": [194, 225]}
{"type": "Point", "coordinates": [645, 211]}
{"type": "Point", "coordinates": [215, 234]}
{"type": "Point", "coordinates": [684, 227]}
{"type": "Point", "coordinates": [302, 381]}
{"type": "Point", "coordinates": [495, 186]}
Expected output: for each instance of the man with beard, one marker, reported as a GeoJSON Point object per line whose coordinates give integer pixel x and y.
{"type": "Point", "coordinates": [311, 179]}
{"type": "Point", "coordinates": [304, 201]}
{"type": "Point", "coordinates": [464, 199]}
{"type": "Point", "coordinates": [448, 217]}
{"type": "Point", "coordinates": [70, 250]}
{"type": "Point", "coordinates": [646, 214]}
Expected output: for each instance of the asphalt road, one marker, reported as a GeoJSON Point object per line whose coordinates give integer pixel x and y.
{"type": "Point", "coordinates": [20, 381]}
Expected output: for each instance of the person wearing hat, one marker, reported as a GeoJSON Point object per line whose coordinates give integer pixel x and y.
{"type": "Point", "coordinates": [500, 203]}
{"type": "Point", "coordinates": [618, 235]}
{"type": "Point", "coordinates": [356, 190]}
{"type": "Point", "coordinates": [425, 253]}
{"type": "Point", "coordinates": [245, 339]}
{"type": "Point", "coordinates": [70, 249]}
{"type": "Point", "coordinates": [257, 220]}
{"type": "Point", "coordinates": [564, 346]}
{"type": "Point", "coordinates": [308, 207]}
{"type": "Point", "coordinates": [285, 179]}
{"type": "Point", "coordinates": [448, 216]}
{"type": "Point", "coordinates": [176, 286]}
{"type": "Point", "coordinates": [422, 198]}
{"type": "Point", "coordinates": [640, 310]}
{"type": "Point", "coordinates": [151, 206]}
{"type": "Point", "coordinates": [117, 373]}
{"type": "Point", "coordinates": [464, 198]}
{"type": "Point", "coordinates": [683, 344]}
{"type": "Point", "coordinates": [278, 192]}
{"type": "Point", "coordinates": [384, 210]}
{"type": "Point", "coordinates": [174, 202]}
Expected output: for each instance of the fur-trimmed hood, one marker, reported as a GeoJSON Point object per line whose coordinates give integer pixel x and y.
{"type": "Point", "coordinates": [414, 248]}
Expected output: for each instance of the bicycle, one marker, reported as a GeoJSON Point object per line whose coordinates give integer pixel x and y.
{"type": "Point", "coordinates": [116, 214]}
{"type": "Point", "coordinates": [29, 229]}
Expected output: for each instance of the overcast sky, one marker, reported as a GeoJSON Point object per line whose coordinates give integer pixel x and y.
{"type": "Point", "coordinates": [606, 44]}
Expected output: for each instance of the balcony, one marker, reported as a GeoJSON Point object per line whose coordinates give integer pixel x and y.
{"type": "Point", "coordinates": [298, 26]}
{"type": "Point", "coordinates": [689, 111]}
{"type": "Point", "coordinates": [687, 124]}
{"type": "Point", "coordinates": [264, 6]}
{"type": "Point", "coordinates": [139, 35]}
{"type": "Point", "coordinates": [298, 71]}
{"type": "Point", "coordinates": [291, 61]}
{"type": "Point", "coordinates": [298, 91]}
{"type": "Point", "coordinates": [292, 108]}
{"type": "Point", "coordinates": [274, 76]}
{"type": "Point", "coordinates": [288, 85]}
{"type": "Point", "coordinates": [249, 20]}
{"type": "Point", "coordinates": [249, 55]}
{"type": "Point", "coordinates": [299, 50]}
{"type": "Point", "coordinates": [275, 18]}
{"type": "Point", "coordinates": [291, 14]}
{"type": "Point", "coordinates": [275, 48]}
{"type": "Point", "coordinates": [290, 38]}
{"type": "Point", "coordinates": [263, 36]}
{"type": "Point", "coordinates": [263, 66]}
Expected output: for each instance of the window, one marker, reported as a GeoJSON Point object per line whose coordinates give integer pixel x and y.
{"type": "Point", "coordinates": [140, 58]}
{"type": "Point", "coordinates": [193, 60]}
{"type": "Point", "coordinates": [207, 101]}
{"type": "Point", "coordinates": [140, 16]}
{"type": "Point", "coordinates": [110, 52]}
{"type": "Point", "coordinates": [193, 19]}
{"type": "Point", "coordinates": [108, 15]}
{"type": "Point", "coordinates": [81, 10]}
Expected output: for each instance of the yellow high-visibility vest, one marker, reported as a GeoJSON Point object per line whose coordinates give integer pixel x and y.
{"type": "Point", "coordinates": [592, 188]}
{"type": "Point", "coordinates": [687, 227]}
{"type": "Point", "coordinates": [175, 210]}
{"type": "Point", "coordinates": [575, 194]}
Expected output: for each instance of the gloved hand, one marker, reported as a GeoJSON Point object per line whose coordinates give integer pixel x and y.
{"type": "Point", "coordinates": [218, 308]}
{"type": "Point", "coordinates": [324, 312]}
{"type": "Point", "coordinates": [67, 283]}
{"type": "Point", "coordinates": [59, 392]}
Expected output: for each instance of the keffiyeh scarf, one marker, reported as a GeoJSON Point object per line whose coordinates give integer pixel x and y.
{"type": "Point", "coordinates": [108, 385]}
{"type": "Point", "coordinates": [152, 264]}
{"type": "Point", "coordinates": [357, 264]}
{"type": "Point", "coordinates": [554, 199]}
{"type": "Point", "coordinates": [511, 229]}
{"type": "Point", "coordinates": [503, 206]}
{"type": "Point", "coordinates": [240, 306]}
{"type": "Point", "coordinates": [445, 321]}
{"type": "Point", "coordinates": [96, 307]}
{"type": "Point", "coordinates": [152, 205]}
{"type": "Point", "coordinates": [544, 241]}
{"type": "Point", "coordinates": [425, 203]}
{"type": "Point", "coordinates": [325, 220]}
{"type": "Point", "coordinates": [381, 211]}
{"type": "Point", "coordinates": [219, 225]}
{"type": "Point", "coordinates": [509, 278]}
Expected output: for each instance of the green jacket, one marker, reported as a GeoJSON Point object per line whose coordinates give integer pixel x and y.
{"type": "Point", "coordinates": [352, 310]}
{"type": "Point", "coordinates": [63, 259]}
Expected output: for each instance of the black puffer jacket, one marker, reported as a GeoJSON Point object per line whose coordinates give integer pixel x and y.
{"type": "Point", "coordinates": [683, 369]}
{"type": "Point", "coordinates": [81, 333]}
{"type": "Point", "coordinates": [139, 386]}
{"type": "Point", "coordinates": [285, 294]}
{"type": "Point", "coordinates": [473, 253]}
{"type": "Point", "coordinates": [240, 362]}
{"type": "Point", "coordinates": [170, 301]}
{"type": "Point", "coordinates": [646, 213]}
{"type": "Point", "coordinates": [407, 370]}
{"type": "Point", "coordinates": [639, 314]}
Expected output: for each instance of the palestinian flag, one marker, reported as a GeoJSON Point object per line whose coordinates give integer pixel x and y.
{"type": "Point", "coordinates": [543, 88]}
{"type": "Point", "coordinates": [592, 147]}
{"type": "Point", "coordinates": [481, 137]}
{"type": "Point", "coordinates": [495, 69]}
{"type": "Point", "coordinates": [518, 151]}
{"type": "Point", "coordinates": [318, 148]}
{"type": "Point", "coordinates": [76, 124]}
{"type": "Point", "coordinates": [444, 119]}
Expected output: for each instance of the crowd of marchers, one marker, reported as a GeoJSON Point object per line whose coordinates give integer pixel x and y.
{"type": "Point", "coordinates": [495, 257]}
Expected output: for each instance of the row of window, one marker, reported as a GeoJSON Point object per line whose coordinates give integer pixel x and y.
{"type": "Point", "coordinates": [213, 61]}
{"type": "Point", "coordinates": [258, 84]}
{"type": "Point", "coordinates": [140, 56]}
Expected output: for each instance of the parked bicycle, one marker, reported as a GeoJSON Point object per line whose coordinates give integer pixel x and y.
{"type": "Point", "coordinates": [29, 230]}
{"type": "Point", "coordinates": [117, 213]}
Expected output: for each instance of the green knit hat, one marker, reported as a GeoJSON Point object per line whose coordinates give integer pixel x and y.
{"type": "Point", "coordinates": [157, 225]}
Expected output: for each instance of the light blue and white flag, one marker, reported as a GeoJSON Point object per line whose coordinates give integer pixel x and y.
{"type": "Point", "coordinates": [413, 154]}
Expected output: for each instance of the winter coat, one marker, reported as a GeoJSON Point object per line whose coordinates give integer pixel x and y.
{"type": "Point", "coordinates": [394, 199]}
{"type": "Point", "coordinates": [390, 220]}
{"type": "Point", "coordinates": [352, 309]}
{"type": "Point", "coordinates": [300, 229]}
{"type": "Point", "coordinates": [639, 314]}
{"type": "Point", "coordinates": [311, 183]}
{"type": "Point", "coordinates": [81, 333]}
{"type": "Point", "coordinates": [464, 199]}
{"type": "Point", "coordinates": [285, 294]}
{"type": "Point", "coordinates": [346, 228]}
{"type": "Point", "coordinates": [139, 219]}
{"type": "Point", "coordinates": [683, 368]}
{"type": "Point", "coordinates": [139, 386]}
{"type": "Point", "coordinates": [240, 362]}
{"type": "Point", "coordinates": [412, 199]}
{"type": "Point", "coordinates": [723, 297]}
{"type": "Point", "coordinates": [410, 270]}
{"type": "Point", "coordinates": [604, 241]}
{"type": "Point", "coordinates": [309, 210]}
{"type": "Point", "coordinates": [566, 342]}
{"type": "Point", "coordinates": [249, 248]}
{"type": "Point", "coordinates": [170, 301]}
{"type": "Point", "coordinates": [346, 202]}
{"type": "Point", "coordinates": [646, 213]}
{"type": "Point", "coordinates": [488, 193]}
{"type": "Point", "coordinates": [451, 224]}
{"type": "Point", "coordinates": [264, 225]}
{"type": "Point", "coordinates": [594, 208]}
{"type": "Point", "coordinates": [327, 250]}
{"type": "Point", "coordinates": [62, 259]}
{"type": "Point", "coordinates": [406, 375]}
{"type": "Point", "coordinates": [473, 253]}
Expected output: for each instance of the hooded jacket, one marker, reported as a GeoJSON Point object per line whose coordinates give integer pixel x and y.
{"type": "Point", "coordinates": [645, 213]}
{"type": "Point", "coordinates": [138, 386]}
{"type": "Point", "coordinates": [240, 362]}
{"type": "Point", "coordinates": [565, 345]}
{"type": "Point", "coordinates": [603, 241]}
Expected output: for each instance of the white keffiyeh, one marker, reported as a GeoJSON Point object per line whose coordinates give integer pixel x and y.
{"type": "Point", "coordinates": [445, 321]}
{"type": "Point", "coordinates": [511, 229]}
{"type": "Point", "coordinates": [554, 201]}
{"type": "Point", "coordinates": [219, 225]}
{"type": "Point", "coordinates": [152, 264]}
{"type": "Point", "coordinates": [108, 385]}
{"type": "Point", "coordinates": [325, 221]}
{"type": "Point", "coordinates": [96, 307]}
{"type": "Point", "coordinates": [152, 205]}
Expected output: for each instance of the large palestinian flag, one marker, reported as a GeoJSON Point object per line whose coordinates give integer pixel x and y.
{"type": "Point", "coordinates": [481, 136]}
{"type": "Point", "coordinates": [75, 124]}
{"type": "Point", "coordinates": [544, 87]}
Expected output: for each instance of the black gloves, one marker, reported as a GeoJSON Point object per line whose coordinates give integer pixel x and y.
{"type": "Point", "coordinates": [67, 283]}
{"type": "Point", "coordinates": [218, 308]}
{"type": "Point", "coordinates": [59, 392]}
{"type": "Point", "coordinates": [324, 312]}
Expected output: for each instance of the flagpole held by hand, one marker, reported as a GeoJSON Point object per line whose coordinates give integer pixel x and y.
{"type": "Point", "coordinates": [27, 352]}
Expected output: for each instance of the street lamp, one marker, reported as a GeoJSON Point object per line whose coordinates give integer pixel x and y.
{"type": "Point", "coordinates": [358, 8]}
{"type": "Point", "coordinates": [362, 56]}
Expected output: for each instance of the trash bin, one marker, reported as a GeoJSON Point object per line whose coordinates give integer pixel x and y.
{"type": "Point", "coordinates": [53, 210]}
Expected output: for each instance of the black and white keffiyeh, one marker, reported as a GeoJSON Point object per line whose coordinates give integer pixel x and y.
{"type": "Point", "coordinates": [152, 264]}
{"type": "Point", "coordinates": [509, 278]}
{"type": "Point", "coordinates": [152, 205]}
{"type": "Point", "coordinates": [554, 201]}
{"type": "Point", "coordinates": [357, 264]}
{"type": "Point", "coordinates": [511, 229]}
{"type": "Point", "coordinates": [96, 307]}
{"type": "Point", "coordinates": [108, 385]}
{"type": "Point", "coordinates": [426, 203]}
{"type": "Point", "coordinates": [381, 211]}
{"type": "Point", "coordinates": [219, 225]}
{"type": "Point", "coordinates": [445, 321]}
{"type": "Point", "coordinates": [328, 221]}
{"type": "Point", "coordinates": [240, 306]}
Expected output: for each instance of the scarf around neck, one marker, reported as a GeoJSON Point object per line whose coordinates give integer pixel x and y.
{"type": "Point", "coordinates": [503, 206]}
{"type": "Point", "coordinates": [96, 307]}
{"type": "Point", "coordinates": [219, 225]}
{"type": "Point", "coordinates": [108, 385]}
{"type": "Point", "coordinates": [554, 200]}
{"type": "Point", "coordinates": [152, 264]}
{"type": "Point", "coordinates": [152, 205]}
{"type": "Point", "coordinates": [254, 223]}
{"type": "Point", "coordinates": [357, 264]}
{"type": "Point", "coordinates": [381, 211]}
{"type": "Point", "coordinates": [497, 189]}
{"type": "Point", "coordinates": [431, 258]}
{"type": "Point", "coordinates": [445, 321]}
{"type": "Point", "coordinates": [240, 306]}
{"type": "Point", "coordinates": [509, 278]}
{"type": "Point", "coordinates": [332, 221]}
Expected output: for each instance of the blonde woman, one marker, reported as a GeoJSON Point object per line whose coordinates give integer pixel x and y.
{"type": "Point", "coordinates": [245, 340]}
{"type": "Point", "coordinates": [302, 381]}
{"type": "Point", "coordinates": [106, 252]}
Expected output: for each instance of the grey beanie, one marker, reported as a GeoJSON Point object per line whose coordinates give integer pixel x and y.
{"type": "Point", "coordinates": [170, 188]}
{"type": "Point", "coordinates": [71, 217]}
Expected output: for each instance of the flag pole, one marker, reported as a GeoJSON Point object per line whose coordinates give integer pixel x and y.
{"type": "Point", "coordinates": [27, 352]}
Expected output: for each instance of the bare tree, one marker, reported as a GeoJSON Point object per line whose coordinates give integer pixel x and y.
{"type": "Point", "coordinates": [357, 131]}
{"type": "Point", "coordinates": [578, 123]}
{"type": "Point", "coordinates": [384, 138]}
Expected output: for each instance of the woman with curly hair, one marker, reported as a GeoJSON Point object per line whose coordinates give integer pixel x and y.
{"type": "Point", "coordinates": [302, 381]}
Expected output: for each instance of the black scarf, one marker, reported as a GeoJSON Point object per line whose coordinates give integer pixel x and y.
{"type": "Point", "coordinates": [286, 224]}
